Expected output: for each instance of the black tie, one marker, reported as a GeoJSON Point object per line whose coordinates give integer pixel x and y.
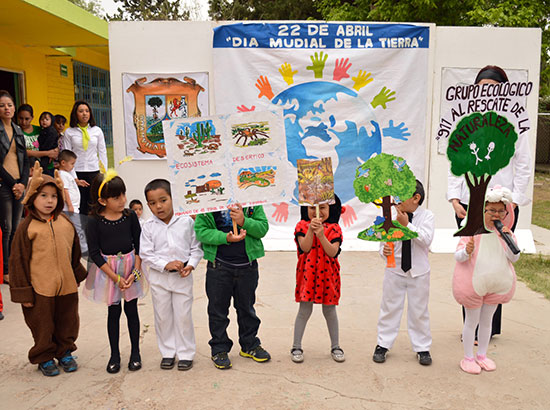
{"type": "Point", "coordinates": [406, 251]}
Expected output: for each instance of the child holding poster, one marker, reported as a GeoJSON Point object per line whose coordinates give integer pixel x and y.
{"type": "Point", "coordinates": [410, 278]}
{"type": "Point", "coordinates": [318, 238]}
{"type": "Point", "coordinates": [232, 272]}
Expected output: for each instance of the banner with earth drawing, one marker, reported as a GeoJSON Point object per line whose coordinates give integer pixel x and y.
{"type": "Point", "coordinates": [348, 91]}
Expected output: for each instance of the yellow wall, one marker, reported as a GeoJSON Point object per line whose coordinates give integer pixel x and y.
{"type": "Point", "coordinates": [44, 87]}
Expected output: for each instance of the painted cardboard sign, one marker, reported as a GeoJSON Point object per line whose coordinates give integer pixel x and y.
{"type": "Point", "coordinates": [216, 161]}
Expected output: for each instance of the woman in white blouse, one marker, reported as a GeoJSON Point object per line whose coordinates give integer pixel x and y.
{"type": "Point", "coordinates": [87, 141]}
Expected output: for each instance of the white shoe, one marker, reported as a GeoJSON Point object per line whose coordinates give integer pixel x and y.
{"type": "Point", "coordinates": [338, 354]}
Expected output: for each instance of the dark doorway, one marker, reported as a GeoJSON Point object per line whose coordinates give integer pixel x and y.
{"type": "Point", "coordinates": [11, 82]}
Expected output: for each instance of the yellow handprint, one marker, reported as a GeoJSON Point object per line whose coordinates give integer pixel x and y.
{"type": "Point", "coordinates": [362, 79]}
{"type": "Point", "coordinates": [287, 73]}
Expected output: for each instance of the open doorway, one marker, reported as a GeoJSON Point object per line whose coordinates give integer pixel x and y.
{"type": "Point", "coordinates": [12, 81]}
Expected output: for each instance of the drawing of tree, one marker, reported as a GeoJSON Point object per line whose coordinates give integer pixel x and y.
{"type": "Point", "coordinates": [154, 103]}
{"type": "Point", "coordinates": [480, 145]}
{"type": "Point", "coordinates": [202, 132]}
{"type": "Point", "coordinates": [384, 176]}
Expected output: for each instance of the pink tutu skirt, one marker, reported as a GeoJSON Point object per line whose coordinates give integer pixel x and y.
{"type": "Point", "coordinates": [101, 289]}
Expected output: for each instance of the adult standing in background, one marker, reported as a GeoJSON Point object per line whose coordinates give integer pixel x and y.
{"type": "Point", "coordinates": [14, 173]}
{"type": "Point", "coordinates": [87, 141]}
{"type": "Point", "coordinates": [25, 115]}
{"type": "Point", "coordinates": [515, 176]}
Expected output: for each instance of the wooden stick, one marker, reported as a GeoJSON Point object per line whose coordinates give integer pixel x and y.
{"type": "Point", "coordinates": [235, 231]}
{"type": "Point", "coordinates": [317, 211]}
{"type": "Point", "coordinates": [391, 258]}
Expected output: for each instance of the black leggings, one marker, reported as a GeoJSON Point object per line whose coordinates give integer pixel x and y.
{"type": "Point", "coordinates": [113, 329]}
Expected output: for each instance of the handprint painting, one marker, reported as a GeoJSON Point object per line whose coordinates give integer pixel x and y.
{"type": "Point", "coordinates": [348, 91]}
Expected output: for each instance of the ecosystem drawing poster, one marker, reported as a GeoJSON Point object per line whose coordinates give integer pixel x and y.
{"type": "Point", "coordinates": [348, 90]}
{"type": "Point", "coordinates": [150, 99]}
{"type": "Point", "coordinates": [216, 161]}
{"type": "Point", "coordinates": [315, 181]}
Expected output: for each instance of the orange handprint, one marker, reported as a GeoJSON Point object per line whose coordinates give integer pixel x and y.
{"type": "Point", "coordinates": [265, 88]}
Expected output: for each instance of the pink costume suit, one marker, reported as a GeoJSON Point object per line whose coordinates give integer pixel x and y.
{"type": "Point", "coordinates": [487, 276]}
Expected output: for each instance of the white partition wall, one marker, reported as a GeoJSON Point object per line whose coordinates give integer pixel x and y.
{"type": "Point", "coordinates": [186, 47]}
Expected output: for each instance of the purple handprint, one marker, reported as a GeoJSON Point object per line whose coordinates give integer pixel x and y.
{"type": "Point", "coordinates": [341, 69]}
{"type": "Point", "coordinates": [398, 132]}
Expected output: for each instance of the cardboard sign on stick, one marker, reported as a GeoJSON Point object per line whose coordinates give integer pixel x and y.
{"type": "Point", "coordinates": [315, 182]}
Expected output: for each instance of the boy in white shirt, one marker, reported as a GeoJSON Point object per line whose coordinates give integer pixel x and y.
{"type": "Point", "coordinates": [410, 278]}
{"type": "Point", "coordinates": [67, 160]}
{"type": "Point", "coordinates": [71, 207]}
{"type": "Point", "coordinates": [169, 248]}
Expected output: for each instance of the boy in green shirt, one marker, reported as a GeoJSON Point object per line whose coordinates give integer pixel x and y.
{"type": "Point", "coordinates": [232, 271]}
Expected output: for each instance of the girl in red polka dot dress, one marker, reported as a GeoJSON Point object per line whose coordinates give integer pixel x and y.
{"type": "Point", "coordinates": [318, 272]}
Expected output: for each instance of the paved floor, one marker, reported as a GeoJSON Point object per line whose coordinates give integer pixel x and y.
{"type": "Point", "coordinates": [521, 353]}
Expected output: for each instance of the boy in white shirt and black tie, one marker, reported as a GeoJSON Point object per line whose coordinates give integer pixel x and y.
{"type": "Point", "coordinates": [410, 278]}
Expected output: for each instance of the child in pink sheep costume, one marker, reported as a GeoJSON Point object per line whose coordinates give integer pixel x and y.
{"type": "Point", "coordinates": [484, 277]}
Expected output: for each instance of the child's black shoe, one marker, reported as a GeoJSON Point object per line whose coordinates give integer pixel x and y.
{"type": "Point", "coordinates": [379, 355]}
{"type": "Point", "coordinates": [68, 363]}
{"type": "Point", "coordinates": [258, 354]}
{"type": "Point", "coordinates": [48, 368]}
{"type": "Point", "coordinates": [113, 366]}
{"type": "Point", "coordinates": [185, 364]}
{"type": "Point", "coordinates": [221, 361]}
{"type": "Point", "coordinates": [167, 363]}
{"type": "Point", "coordinates": [424, 358]}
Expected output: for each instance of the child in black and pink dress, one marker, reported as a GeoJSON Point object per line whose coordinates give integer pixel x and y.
{"type": "Point", "coordinates": [318, 240]}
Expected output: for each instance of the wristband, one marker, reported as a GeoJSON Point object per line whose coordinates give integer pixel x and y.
{"type": "Point", "coordinates": [118, 279]}
{"type": "Point", "coordinates": [137, 274]}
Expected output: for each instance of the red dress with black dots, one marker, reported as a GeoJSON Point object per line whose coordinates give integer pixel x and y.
{"type": "Point", "coordinates": [317, 274]}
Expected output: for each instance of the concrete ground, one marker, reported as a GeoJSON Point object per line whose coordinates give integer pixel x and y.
{"type": "Point", "coordinates": [520, 382]}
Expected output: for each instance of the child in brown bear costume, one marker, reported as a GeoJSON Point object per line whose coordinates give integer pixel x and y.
{"type": "Point", "coordinates": [45, 270]}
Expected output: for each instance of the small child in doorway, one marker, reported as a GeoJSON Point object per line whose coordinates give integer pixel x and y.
{"type": "Point", "coordinates": [410, 278]}
{"type": "Point", "coordinates": [137, 207]}
{"type": "Point", "coordinates": [484, 277]}
{"type": "Point", "coordinates": [171, 251]}
{"type": "Point", "coordinates": [67, 160]}
{"type": "Point", "coordinates": [45, 271]}
{"type": "Point", "coordinates": [318, 240]}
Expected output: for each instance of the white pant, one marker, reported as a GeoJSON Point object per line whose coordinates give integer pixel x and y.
{"type": "Point", "coordinates": [417, 291]}
{"type": "Point", "coordinates": [172, 302]}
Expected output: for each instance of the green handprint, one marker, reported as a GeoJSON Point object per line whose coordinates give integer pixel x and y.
{"type": "Point", "coordinates": [362, 79]}
{"type": "Point", "coordinates": [382, 98]}
{"type": "Point", "coordinates": [287, 73]}
{"type": "Point", "coordinates": [318, 64]}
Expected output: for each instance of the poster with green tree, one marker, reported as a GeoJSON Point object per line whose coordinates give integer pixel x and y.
{"type": "Point", "coordinates": [479, 146]}
{"type": "Point", "coordinates": [385, 180]}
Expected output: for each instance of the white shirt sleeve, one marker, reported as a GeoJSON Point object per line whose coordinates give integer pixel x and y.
{"type": "Point", "coordinates": [102, 149]}
{"type": "Point", "coordinates": [425, 231]}
{"type": "Point", "coordinates": [454, 186]}
{"type": "Point", "coordinates": [521, 162]}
